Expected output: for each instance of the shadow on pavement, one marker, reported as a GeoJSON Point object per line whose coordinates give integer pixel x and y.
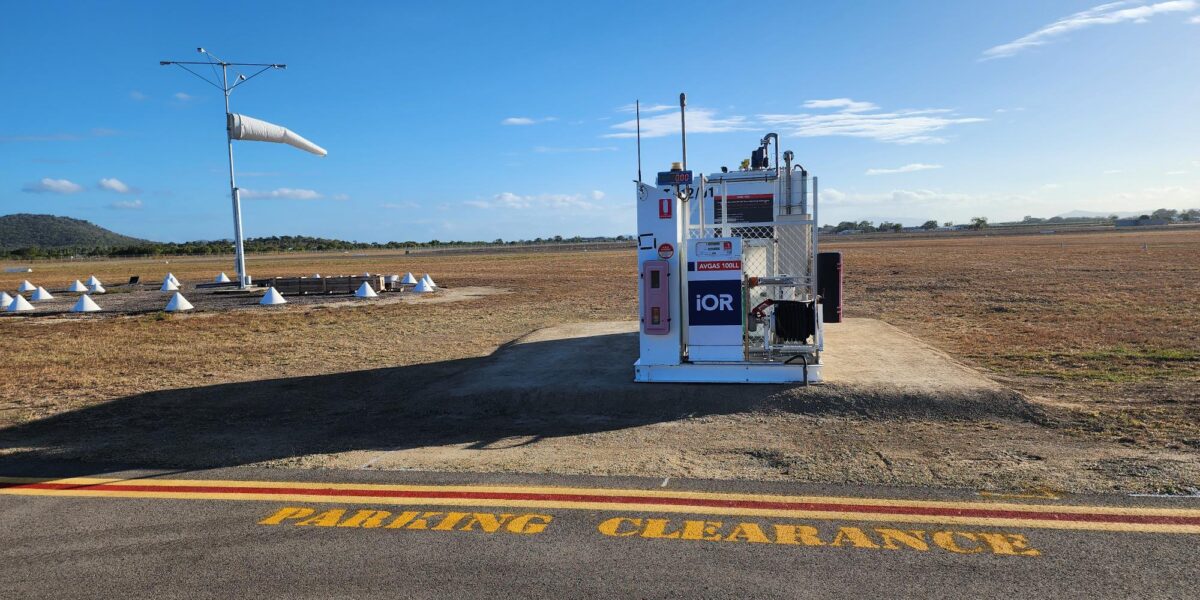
{"type": "Point", "coordinates": [534, 390]}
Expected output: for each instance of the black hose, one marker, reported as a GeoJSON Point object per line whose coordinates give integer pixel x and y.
{"type": "Point", "coordinates": [805, 359]}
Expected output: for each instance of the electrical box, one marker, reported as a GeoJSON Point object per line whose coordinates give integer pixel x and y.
{"type": "Point", "coordinates": [656, 295]}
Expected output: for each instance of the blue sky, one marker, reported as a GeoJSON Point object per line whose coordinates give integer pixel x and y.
{"type": "Point", "coordinates": [478, 121]}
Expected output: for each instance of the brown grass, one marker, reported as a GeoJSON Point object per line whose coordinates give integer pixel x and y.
{"type": "Point", "coordinates": [1106, 327]}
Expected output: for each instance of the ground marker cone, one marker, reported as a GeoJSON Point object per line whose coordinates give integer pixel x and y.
{"type": "Point", "coordinates": [272, 297]}
{"type": "Point", "coordinates": [41, 294]}
{"type": "Point", "coordinates": [26, 287]}
{"type": "Point", "coordinates": [423, 287]}
{"type": "Point", "coordinates": [85, 304]}
{"type": "Point", "coordinates": [19, 304]}
{"type": "Point", "coordinates": [77, 286]}
{"type": "Point", "coordinates": [5, 299]}
{"type": "Point", "coordinates": [409, 279]}
{"type": "Point", "coordinates": [91, 281]}
{"type": "Point", "coordinates": [365, 291]}
{"type": "Point", "coordinates": [429, 280]}
{"type": "Point", "coordinates": [168, 285]}
{"type": "Point", "coordinates": [96, 288]}
{"type": "Point", "coordinates": [178, 303]}
{"type": "Point", "coordinates": [222, 278]}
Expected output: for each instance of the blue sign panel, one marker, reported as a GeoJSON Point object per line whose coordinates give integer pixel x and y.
{"type": "Point", "coordinates": [716, 302]}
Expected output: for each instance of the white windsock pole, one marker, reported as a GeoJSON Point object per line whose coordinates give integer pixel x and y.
{"type": "Point", "coordinates": [241, 127]}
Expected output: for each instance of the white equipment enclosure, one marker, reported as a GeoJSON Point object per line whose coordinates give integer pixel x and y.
{"type": "Point", "coordinates": [727, 267]}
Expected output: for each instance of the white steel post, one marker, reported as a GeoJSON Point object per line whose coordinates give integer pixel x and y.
{"type": "Point", "coordinates": [239, 249]}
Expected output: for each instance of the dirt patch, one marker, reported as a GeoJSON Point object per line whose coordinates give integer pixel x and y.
{"type": "Point", "coordinates": [563, 401]}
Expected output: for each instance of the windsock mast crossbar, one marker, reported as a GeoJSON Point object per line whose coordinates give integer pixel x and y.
{"type": "Point", "coordinates": [267, 132]}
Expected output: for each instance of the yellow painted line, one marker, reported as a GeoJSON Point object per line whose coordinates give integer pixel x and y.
{"type": "Point", "coordinates": [832, 508]}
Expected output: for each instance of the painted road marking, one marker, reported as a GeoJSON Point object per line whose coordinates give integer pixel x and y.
{"type": "Point", "coordinates": [1105, 518]}
{"type": "Point", "coordinates": [748, 532]}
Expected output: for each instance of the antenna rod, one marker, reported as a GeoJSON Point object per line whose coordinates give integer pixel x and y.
{"type": "Point", "coordinates": [637, 109]}
{"type": "Point", "coordinates": [683, 126]}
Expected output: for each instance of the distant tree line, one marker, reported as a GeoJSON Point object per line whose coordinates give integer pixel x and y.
{"type": "Point", "coordinates": [285, 243]}
{"type": "Point", "coordinates": [977, 223]}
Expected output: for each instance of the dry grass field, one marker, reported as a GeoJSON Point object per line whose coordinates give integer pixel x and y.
{"type": "Point", "coordinates": [1105, 325]}
{"type": "Point", "coordinates": [1101, 332]}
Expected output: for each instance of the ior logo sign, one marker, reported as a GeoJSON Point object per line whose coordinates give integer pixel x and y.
{"type": "Point", "coordinates": [666, 251]}
{"type": "Point", "coordinates": [715, 302]}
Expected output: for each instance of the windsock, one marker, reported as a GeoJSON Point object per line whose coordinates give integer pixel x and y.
{"type": "Point", "coordinates": [250, 129]}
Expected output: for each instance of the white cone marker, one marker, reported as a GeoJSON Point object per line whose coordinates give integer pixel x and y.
{"type": "Point", "coordinates": [423, 287]}
{"type": "Point", "coordinates": [96, 288]}
{"type": "Point", "coordinates": [272, 298]}
{"type": "Point", "coordinates": [77, 286]}
{"type": "Point", "coordinates": [85, 304]}
{"type": "Point", "coordinates": [19, 304]}
{"type": "Point", "coordinates": [41, 294]}
{"type": "Point", "coordinates": [25, 287]}
{"type": "Point", "coordinates": [92, 281]}
{"type": "Point", "coordinates": [222, 278]}
{"type": "Point", "coordinates": [409, 279]}
{"type": "Point", "coordinates": [178, 303]}
{"type": "Point", "coordinates": [168, 285]}
{"type": "Point", "coordinates": [365, 291]}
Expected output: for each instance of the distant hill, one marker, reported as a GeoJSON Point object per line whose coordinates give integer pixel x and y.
{"type": "Point", "coordinates": [49, 231]}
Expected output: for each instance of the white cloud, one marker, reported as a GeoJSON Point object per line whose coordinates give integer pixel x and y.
{"type": "Point", "coordinates": [646, 108]}
{"type": "Point", "coordinates": [527, 120]}
{"type": "Point", "coordinates": [53, 186]}
{"type": "Point", "coordinates": [399, 205]}
{"type": "Point", "coordinates": [113, 184]}
{"type": "Point", "coordinates": [1178, 172]}
{"type": "Point", "coordinates": [846, 104]}
{"type": "Point", "coordinates": [699, 120]}
{"type": "Point", "coordinates": [544, 202]}
{"type": "Point", "coordinates": [341, 197]}
{"type": "Point", "coordinates": [182, 97]}
{"type": "Point", "coordinates": [136, 95]}
{"type": "Point", "coordinates": [127, 205]}
{"type": "Point", "coordinates": [1104, 14]}
{"type": "Point", "coordinates": [283, 193]}
{"type": "Point", "coordinates": [555, 150]}
{"type": "Point", "coordinates": [909, 168]}
{"type": "Point", "coordinates": [1194, 20]}
{"type": "Point", "coordinates": [859, 119]}
{"type": "Point", "coordinates": [1112, 171]}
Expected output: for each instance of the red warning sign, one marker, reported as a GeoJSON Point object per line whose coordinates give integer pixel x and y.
{"type": "Point", "coordinates": [666, 251]}
{"type": "Point", "coordinates": [664, 207]}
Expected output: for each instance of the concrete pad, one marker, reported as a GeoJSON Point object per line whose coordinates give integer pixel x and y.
{"type": "Point", "coordinates": [860, 353]}
{"type": "Point", "coordinates": [869, 352]}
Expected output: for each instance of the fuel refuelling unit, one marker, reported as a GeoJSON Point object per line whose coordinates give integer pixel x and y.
{"type": "Point", "coordinates": [732, 288]}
